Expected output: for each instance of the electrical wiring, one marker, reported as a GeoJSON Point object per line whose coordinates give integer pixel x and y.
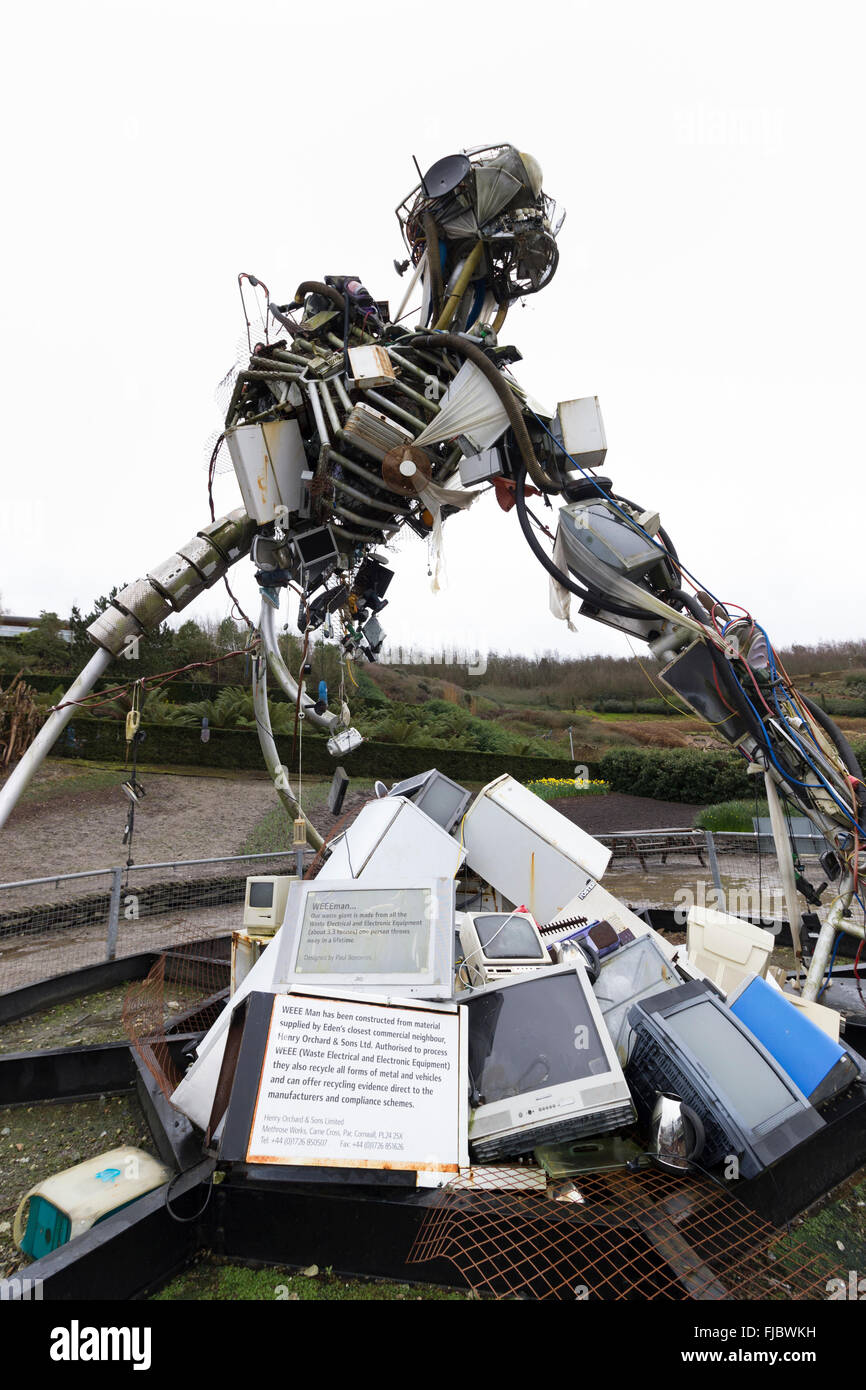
{"type": "Point", "coordinates": [713, 723]}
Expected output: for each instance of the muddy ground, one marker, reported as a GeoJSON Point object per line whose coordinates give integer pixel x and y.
{"type": "Point", "coordinates": [38, 1140]}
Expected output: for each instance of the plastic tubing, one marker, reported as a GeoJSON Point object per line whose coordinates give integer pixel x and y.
{"type": "Point", "coordinates": [319, 287]}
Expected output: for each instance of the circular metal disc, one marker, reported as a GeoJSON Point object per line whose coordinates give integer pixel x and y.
{"type": "Point", "coordinates": [446, 174]}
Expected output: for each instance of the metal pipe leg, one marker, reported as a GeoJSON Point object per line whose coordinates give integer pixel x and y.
{"type": "Point", "coordinates": [54, 725]}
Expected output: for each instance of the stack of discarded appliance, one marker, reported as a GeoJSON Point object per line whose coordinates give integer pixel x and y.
{"type": "Point", "coordinates": [589, 1040]}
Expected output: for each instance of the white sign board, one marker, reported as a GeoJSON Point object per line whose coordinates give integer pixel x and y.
{"type": "Point", "coordinates": [351, 1084]}
{"type": "Point", "coordinates": [365, 931]}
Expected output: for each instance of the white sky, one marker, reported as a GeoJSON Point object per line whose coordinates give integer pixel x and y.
{"type": "Point", "coordinates": [710, 290]}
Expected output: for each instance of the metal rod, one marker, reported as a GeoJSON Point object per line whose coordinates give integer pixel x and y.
{"type": "Point", "coordinates": [317, 411]}
{"type": "Point", "coordinates": [365, 521]}
{"type": "Point", "coordinates": [329, 407]}
{"type": "Point", "coordinates": [416, 274]}
{"type": "Point", "coordinates": [283, 676]}
{"type": "Point", "coordinates": [279, 773]}
{"type": "Point", "coordinates": [823, 952]}
{"type": "Point", "coordinates": [414, 395]}
{"type": "Point", "coordinates": [113, 914]}
{"type": "Point", "coordinates": [362, 472]}
{"type": "Point", "coordinates": [368, 501]}
{"type": "Point", "coordinates": [389, 408]}
{"type": "Point", "coordinates": [46, 738]}
{"type": "Point", "coordinates": [342, 392]}
{"type": "Point", "coordinates": [786, 867]}
{"type": "Point", "coordinates": [714, 863]}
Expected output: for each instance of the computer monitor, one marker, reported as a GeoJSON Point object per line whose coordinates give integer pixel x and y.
{"type": "Point", "coordinates": [397, 941]}
{"type": "Point", "coordinates": [436, 795]}
{"type": "Point", "coordinates": [265, 902]}
{"type": "Point", "coordinates": [495, 944]}
{"type": "Point", "coordinates": [639, 969]}
{"type": "Point", "coordinates": [689, 1043]}
{"type": "Point", "coordinates": [542, 1068]}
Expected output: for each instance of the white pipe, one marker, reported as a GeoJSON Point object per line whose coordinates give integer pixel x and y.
{"type": "Point", "coordinates": [49, 733]}
{"type": "Point", "coordinates": [786, 867]}
{"type": "Point", "coordinates": [826, 938]}
{"type": "Point", "coordinates": [316, 406]}
{"type": "Point", "coordinates": [278, 771]}
{"type": "Point", "coordinates": [283, 676]}
{"type": "Point", "coordinates": [419, 270]}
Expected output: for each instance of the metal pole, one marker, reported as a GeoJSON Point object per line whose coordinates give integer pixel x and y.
{"type": "Point", "coordinates": [50, 732]}
{"type": "Point", "coordinates": [113, 913]}
{"type": "Point", "coordinates": [714, 863]}
{"type": "Point", "coordinates": [786, 868]}
{"type": "Point", "coordinates": [279, 773]}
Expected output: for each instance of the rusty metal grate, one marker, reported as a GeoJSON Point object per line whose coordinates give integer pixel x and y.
{"type": "Point", "coordinates": [184, 992]}
{"type": "Point", "coordinates": [616, 1235]}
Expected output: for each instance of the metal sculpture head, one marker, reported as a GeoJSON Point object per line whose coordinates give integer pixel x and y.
{"type": "Point", "coordinates": [485, 230]}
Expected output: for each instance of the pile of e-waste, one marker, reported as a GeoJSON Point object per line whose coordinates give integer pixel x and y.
{"type": "Point", "coordinates": [455, 993]}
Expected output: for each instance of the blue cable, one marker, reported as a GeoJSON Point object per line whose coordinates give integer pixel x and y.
{"type": "Point", "coordinates": [823, 782]}
{"type": "Point", "coordinates": [822, 785]}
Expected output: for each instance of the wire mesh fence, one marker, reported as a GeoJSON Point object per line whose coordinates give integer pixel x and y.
{"type": "Point", "coordinates": [184, 992]}
{"type": "Point", "coordinates": [647, 1234]}
{"type": "Point", "coordinates": [733, 871]}
{"type": "Point", "coordinates": [49, 926]}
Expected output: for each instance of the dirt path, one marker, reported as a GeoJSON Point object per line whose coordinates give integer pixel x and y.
{"type": "Point", "coordinates": [603, 815]}
{"type": "Point", "coordinates": [74, 820]}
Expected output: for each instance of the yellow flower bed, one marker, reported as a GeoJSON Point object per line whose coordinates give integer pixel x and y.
{"type": "Point", "coordinates": [552, 788]}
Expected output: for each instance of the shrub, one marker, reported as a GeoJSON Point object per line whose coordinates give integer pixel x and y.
{"type": "Point", "coordinates": [676, 774]}
{"type": "Point", "coordinates": [731, 815]}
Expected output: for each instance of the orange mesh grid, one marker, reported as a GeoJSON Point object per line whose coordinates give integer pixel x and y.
{"type": "Point", "coordinates": [184, 992]}
{"type": "Point", "coordinates": [613, 1235]}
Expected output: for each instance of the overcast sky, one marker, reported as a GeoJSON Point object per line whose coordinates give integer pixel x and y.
{"type": "Point", "coordinates": [710, 289]}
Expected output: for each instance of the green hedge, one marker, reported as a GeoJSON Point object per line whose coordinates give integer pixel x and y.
{"type": "Point", "coordinates": [677, 774]}
{"type": "Point", "coordinates": [103, 740]}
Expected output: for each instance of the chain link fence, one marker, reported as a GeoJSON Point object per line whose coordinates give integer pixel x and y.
{"type": "Point", "coordinates": [52, 925]}
{"type": "Point", "coordinates": [736, 872]}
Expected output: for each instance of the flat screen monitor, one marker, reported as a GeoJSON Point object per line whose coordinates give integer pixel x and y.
{"type": "Point", "coordinates": [542, 1068]}
{"type": "Point", "coordinates": [688, 1042]}
{"type": "Point", "coordinates": [397, 941]}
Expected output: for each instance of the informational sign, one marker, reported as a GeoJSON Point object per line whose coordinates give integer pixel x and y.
{"type": "Point", "coordinates": [365, 931]}
{"type": "Point", "coordinates": [351, 1084]}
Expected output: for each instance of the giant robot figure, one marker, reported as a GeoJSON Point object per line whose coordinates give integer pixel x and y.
{"type": "Point", "coordinates": [347, 425]}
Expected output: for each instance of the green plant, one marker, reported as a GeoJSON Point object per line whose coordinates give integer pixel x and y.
{"type": "Point", "coordinates": [676, 774]}
{"type": "Point", "coordinates": [730, 815]}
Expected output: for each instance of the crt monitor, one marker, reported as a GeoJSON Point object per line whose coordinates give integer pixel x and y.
{"type": "Point", "coordinates": [542, 1068]}
{"type": "Point", "coordinates": [265, 902]}
{"type": "Point", "coordinates": [440, 798]}
{"type": "Point", "coordinates": [688, 1042]}
{"type": "Point", "coordinates": [362, 937]}
{"type": "Point", "coordinates": [498, 942]}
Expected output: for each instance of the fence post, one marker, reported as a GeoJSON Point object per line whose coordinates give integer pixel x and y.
{"type": "Point", "coordinates": [113, 913]}
{"type": "Point", "coordinates": [714, 863]}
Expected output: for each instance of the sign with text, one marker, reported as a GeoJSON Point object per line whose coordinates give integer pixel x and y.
{"type": "Point", "coordinates": [368, 931]}
{"type": "Point", "coordinates": [351, 1084]}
